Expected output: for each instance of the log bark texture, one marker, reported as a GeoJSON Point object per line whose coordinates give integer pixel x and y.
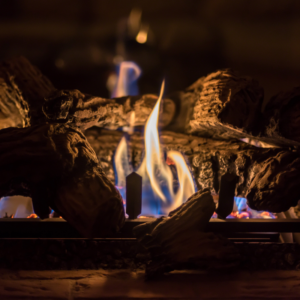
{"type": "Point", "coordinates": [225, 100]}
{"type": "Point", "coordinates": [274, 182]}
{"type": "Point", "coordinates": [27, 80]}
{"type": "Point", "coordinates": [181, 239]}
{"type": "Point", "coordinates": [84, 111]}
{"type": "Point", "coordinates": [14, 110]}
{"type": "Point", "coordinates": [56, 167]}
{"type": "Point", "coordinates": [282, 115]}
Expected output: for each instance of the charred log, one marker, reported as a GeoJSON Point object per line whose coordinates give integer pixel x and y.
{"type": "Point", "coordinates": [13, 108]}
{"type": "Point", "coordinates": [57, 168]}
{"type": "Point", "coordinates": [274, 183]}
{"type": "Point", "coordinates": [85, 111]}
{"type": "Point", "coordinates": [32, 84]}
{"type": "Point", "coordinates": [223, 101]}
{"type": "Point", "coordinates": [181, 238]}
{"type": "Point", "coordinates": [282, 115]}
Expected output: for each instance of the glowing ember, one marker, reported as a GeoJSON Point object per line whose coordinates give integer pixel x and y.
{"type": "Point", "coordinates": [32, 216]}
{"type": "Point", "coordinates": [243, 211]}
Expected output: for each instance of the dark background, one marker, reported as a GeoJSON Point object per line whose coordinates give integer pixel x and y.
{"type": "Point", "coordinates": [75, 43]}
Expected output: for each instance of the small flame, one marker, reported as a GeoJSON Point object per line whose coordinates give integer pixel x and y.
{"type": "Point", "coordinates": [128, 73]}
{"type": "Point", "coordinates": [122, 166]}
{"type": "Point", "coordinates": [32, 216]}
{"type": "Point", "coordinates": [142, 36]}
{"type": "Point", "coordinates": [187, 188]}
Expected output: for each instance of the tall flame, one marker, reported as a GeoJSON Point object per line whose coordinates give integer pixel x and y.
{"type": "Point", "coordinates": [159, 196]}
{"type": "Point", "coordinates": [122, 166]}
{"type": "Point", "coordinates": [153, 161]}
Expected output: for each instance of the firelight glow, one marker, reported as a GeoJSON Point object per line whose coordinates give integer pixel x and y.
{"type": "Point", "coordinates": [142, 36]}
{"type": "Point", "coordinates": [159, 196]}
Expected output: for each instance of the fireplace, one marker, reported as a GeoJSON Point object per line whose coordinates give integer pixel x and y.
{"type": "Point", "coordinates": [154, 175]}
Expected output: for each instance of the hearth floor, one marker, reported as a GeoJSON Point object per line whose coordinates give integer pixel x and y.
{"type": "Point", "coordinates": [124, 284]}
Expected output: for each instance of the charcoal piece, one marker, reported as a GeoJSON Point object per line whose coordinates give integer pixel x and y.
{"type": "Point", "coordinates": [33, 86]}
{"type": "Point", "coordinates": [181, 238]}
{"type": "Point", "coordinates": [282, 115]}
{"type": "Point", "coordinates": [133, 195]}
{"type": "Point", "coordinates": [85, 111]}
{"type": "Point", "coordinates": [274, 182]}
{"type": "Point", "coordinates": [56, 167]}
{"type": "Point", "coordinates": [226, 195]}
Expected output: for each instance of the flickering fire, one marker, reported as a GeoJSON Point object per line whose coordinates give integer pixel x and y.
{"type": "Point", "coordinates": [159, 196]}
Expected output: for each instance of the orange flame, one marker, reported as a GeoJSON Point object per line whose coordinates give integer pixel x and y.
{"type": "Point", "coordinates": [32, 216]}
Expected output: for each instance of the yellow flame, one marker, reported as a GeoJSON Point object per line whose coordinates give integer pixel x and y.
{"type": "Point", "coordinates": [152, 159]}
{"type": "Point", "coordinates": [186, 188]}
{"type": "Point", "coordinates": [142, 35]}
{"type": "Point", "coordinates": [154, 168]}
{"type": "Point", "coordinates": [121, 159]}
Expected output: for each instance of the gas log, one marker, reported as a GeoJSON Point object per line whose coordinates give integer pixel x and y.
{"type": "Point", "coordinates": [180, 239]}
{"type": "Point", "coordinates": [13, 108]}
{"type": "Point", "coordinates": [274, 182]}
{"type": "Point", "coordinates": [282, 115]}
{"type": "Point", "coordinates": [210, 159]}
{"type": "Point", "coordinates": [85, 111]}
{"type": "Point", "coordinates": [23, 88]}
{"type": "Point", "coordinates": [56, 166]}
{"type": "Point", "coordinates": [222, 105]}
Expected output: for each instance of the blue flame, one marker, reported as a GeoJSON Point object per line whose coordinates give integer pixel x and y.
{"type": "Point", "coordinates": [243, 211]}
{"type": "Point", "coordinates": [126, 84]}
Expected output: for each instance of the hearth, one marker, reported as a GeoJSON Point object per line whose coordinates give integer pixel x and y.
{"type": "Point", "coordinates": [92, 159]}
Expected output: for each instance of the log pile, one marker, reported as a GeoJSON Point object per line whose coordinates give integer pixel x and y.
{"type": "Point", "coordinates": [56, 157]}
